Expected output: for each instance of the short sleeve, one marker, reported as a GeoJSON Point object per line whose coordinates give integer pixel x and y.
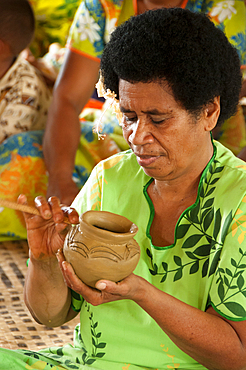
{"type": "Point", "coordinates": [230, 17]}
{"type": "Point", "coordinates": [93, 23]}
{"type": "Point", "coordinates": [76, 301]}
{"type": "Point", "coordinates": [89, 198]}
{"type": "Point", "coordinates": [228, 289]}
{"type": "Point", "coordinates": [87, 31]}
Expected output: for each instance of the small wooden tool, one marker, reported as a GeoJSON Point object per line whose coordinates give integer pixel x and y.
{"type": "Point", "coordinates": [23, 208]}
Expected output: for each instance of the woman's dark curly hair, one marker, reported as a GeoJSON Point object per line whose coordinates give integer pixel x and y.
{"type": "Point", "coordinates": [180, 47]}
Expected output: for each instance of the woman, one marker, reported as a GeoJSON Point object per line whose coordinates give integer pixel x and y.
{"type": "Point", "coordinates": [93, 23]}
{"type": "Point", "coordinates": [183, 308]}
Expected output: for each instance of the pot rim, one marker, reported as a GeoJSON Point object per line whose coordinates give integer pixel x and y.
{"type": "Point", "coordinates": [107, 224]}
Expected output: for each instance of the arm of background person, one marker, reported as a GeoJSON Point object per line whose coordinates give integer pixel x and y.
{"type": "Point", "coordinates": [73, 88]}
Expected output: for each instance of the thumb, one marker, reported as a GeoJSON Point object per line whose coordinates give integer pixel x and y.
{"type": "Point", "coordinates": [109, 287]}
{"type": "Point", "coordinates": [22, 200]}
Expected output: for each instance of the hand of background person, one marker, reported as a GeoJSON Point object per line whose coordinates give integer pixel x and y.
{"type": "Point", "coordinates": [46, 233]}
{"type": "Point", "coordinates": [65, 189]}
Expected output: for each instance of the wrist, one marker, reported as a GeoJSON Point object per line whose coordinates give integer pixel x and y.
{"type": "Point", "coordinates": [141, 290]}
{"type": "Point", "coordinates": [43, 263]}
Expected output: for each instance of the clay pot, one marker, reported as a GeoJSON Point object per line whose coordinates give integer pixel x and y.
{"type": "Point", "coordinates": [102, 247]}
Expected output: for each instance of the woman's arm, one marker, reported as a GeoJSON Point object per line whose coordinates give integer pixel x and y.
{"type": "Point", "coordinates": [46, 294]}
{"type": "Point", "coordinates": [73, 89]}
{"type": "Point", "coordinates": [213, 341]}
{"type": "Point", "coordinates": [209, 338]}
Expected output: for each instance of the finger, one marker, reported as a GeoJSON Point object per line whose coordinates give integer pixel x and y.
{"type": "Point", "coordinates": [55, 206]}
{"type": "Point", "coordinates": [27, 210]}
{"type": "Point", "coordinates": [121, 289]}
{"type": "Point", "coordinates": [71, 214]}
{"type": "Point", "coordinates": [72, 279]}
{"type": "Point", "coordinates": [60, 257]}
{"type": "Point", "coordinates": [109, 287]}
{"type": "Point", "coordinates": [43, 207]}
{"type": "Point", "coordinates": [68, 273]}
{"type": "Point", "coordinates": [22, 199]}
{"type": "Point", "coordinates": [91, 295]}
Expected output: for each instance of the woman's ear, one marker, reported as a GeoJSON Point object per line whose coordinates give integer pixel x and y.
{"type": "Point", "coordinates": [211, 114]}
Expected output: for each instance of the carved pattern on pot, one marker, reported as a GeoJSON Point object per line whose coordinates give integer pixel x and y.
{"type": "Point", "coordinates": [102, 247]}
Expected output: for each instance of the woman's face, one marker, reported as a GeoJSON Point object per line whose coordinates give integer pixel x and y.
{"type": "Point", "coordinates": [165, 138]}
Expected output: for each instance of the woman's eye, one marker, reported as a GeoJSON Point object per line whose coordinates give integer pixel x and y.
{"type": "Point", "coordinates": [130, 119]}
{"type": "Point", "coordinates": [155, 121]}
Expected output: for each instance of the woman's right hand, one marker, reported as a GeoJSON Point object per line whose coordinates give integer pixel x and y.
{"type": "Point", "coordinates": [46, 233]}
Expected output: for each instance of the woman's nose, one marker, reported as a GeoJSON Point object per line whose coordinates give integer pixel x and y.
{"type": "Point", "coordinates": [140, 133]}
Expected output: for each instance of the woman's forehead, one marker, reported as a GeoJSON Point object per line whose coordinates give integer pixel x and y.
{"type": "Point", "coordinates": [149, 95]}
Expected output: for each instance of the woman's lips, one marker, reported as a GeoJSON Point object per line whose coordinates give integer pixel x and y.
{"type": "Point", "coordinates": [146, 160]}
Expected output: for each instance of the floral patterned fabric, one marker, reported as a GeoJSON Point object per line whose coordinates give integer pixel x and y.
{"type": "Point", "coordinates": [22, 168]}
{"type": "Point", "coordinates": [205, 266]}
{"type": "Point", "coordinates": [95, 20]}
{"type": "Point", "coordinates": [53, 20]}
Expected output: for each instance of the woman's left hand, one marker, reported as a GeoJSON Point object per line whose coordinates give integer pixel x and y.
{"type": "Point", "coordinates": [106, 291]}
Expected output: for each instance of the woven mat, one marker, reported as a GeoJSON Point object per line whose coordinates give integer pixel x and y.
{"type": "Point", "coordinates": [17, 327]}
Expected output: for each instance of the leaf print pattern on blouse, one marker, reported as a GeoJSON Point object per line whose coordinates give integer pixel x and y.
{"type": "Point", "coordinates": [203, 245]}
{"type": "Point", "coordinates": [231, 283]}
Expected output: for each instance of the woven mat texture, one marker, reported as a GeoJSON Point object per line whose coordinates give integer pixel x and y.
{"type": "Point", "coordinates": [17, 327]}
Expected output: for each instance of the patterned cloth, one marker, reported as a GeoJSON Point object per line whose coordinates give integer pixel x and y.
{"type": "Point", "coordinates": [53, 20]}
{"type": "Point", "coordinates": [94, 21]}
{"type": "Point", "coordinates": [205, 266]}
{"type": "Point", "coordinates": [22, 168]}
{"type": "Point", "coordinates": [24, 100]}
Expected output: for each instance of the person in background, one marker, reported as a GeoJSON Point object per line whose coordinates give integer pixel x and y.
{"type": "Point", "coordinates": [184, 305]}
{"type": "Point", "coordinates": [24, 95]}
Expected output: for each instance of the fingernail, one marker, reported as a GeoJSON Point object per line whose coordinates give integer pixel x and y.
{"type": "Point", "coordinates": [58, 256]}
{"type": "Point", "coordinates": [101, 286]}
{"type": "Point", "coordinates": [58, 218]}
{"type": "Point", "coordinates": [47, 214]}
{"type": "Point", "coordinates": [64, 265]}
